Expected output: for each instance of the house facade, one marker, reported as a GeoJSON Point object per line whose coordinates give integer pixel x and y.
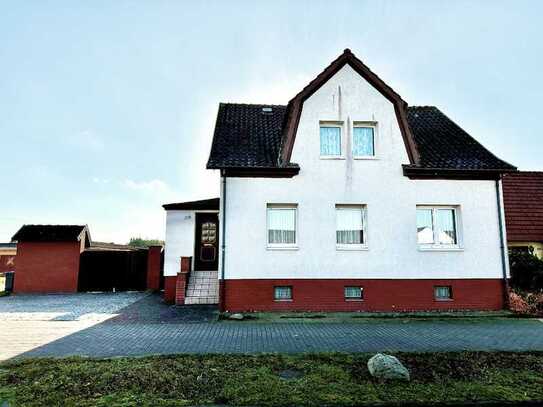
{"type": "Point", "coordinates": [523, 203]}
{"type": "Point", "coordinates": [347, 199]}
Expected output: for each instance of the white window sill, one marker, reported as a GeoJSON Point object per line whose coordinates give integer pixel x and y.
{"type": "Point", "coordinates": [354, 299]}
{"type": "Point", "coordinates": [443, 299]}
{"type": "Point", "coordinates": [350, 248]}
{"type": "Point", "coordinates": [332, 157]}
{"type": "Point", "coordinates": [283, 300]}
{"type": "Point", "coordinates": [367, 157]}
{"type": "Point", "coordinates": [282, 247]}
{"type": "Point", "coordinates": [441, 249]}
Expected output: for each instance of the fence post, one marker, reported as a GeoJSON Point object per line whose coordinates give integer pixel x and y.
{"type": "Point", "coordinates": [153, 267]}
{"type": "Point", "coordinates": [182, 280]}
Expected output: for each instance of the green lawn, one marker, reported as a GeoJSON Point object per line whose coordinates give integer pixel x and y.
{"type": "Point", "coordinates": [325, 379]}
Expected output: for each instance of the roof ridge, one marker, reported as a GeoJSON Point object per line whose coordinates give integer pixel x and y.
{"type": "Point", "coordinates": [347, 55]}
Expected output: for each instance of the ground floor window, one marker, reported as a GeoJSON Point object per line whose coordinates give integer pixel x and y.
{"type": "Point", "coordinates": [282, 293]}
{"type": "Point", "coordinates": [443, 293]}
{"type": "Point", "coordinates": [437, 226]}
{"type": "Point", "coordinates": [354, 293]}
{"type": "Point", "coordinates": [281, 221]}
{"type": "Point", "coordinates": [350, 226]}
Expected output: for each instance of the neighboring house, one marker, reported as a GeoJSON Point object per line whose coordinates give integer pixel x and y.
{"type": "Point", "coordinates": [62, 258]}
{"type": "Point", "coordinates": [346, 199]}
{"type": "Point", "coordinates": [523, 203]}
{"type": "Point", "coordinates": [48, 257]}
{"type": "Point", "coordinates": [8, 254]}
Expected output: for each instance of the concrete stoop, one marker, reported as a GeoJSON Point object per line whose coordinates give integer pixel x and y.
{"type": "Point", "coordinates": [203, 288]}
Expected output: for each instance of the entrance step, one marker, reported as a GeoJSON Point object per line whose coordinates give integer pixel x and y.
{"type": "Point", "coordinates": [203, 288]}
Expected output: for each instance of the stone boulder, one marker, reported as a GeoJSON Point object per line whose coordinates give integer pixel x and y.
{"type": "Point", "coordinates": [236, 317]}
{"type": "Point", "coordinates": [387, 367]}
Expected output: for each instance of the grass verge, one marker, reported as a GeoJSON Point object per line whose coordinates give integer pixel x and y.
{"type": "Point", "coordinates": [320, 379]}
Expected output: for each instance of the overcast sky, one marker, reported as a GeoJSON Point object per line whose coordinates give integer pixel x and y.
{"type": "Point", "coordinates": [107, 107]}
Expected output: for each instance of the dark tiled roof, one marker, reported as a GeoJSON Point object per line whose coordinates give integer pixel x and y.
{"type": "Point", "coordinates": [523, 206]}
{"type": "Point", "coordinates": [247, 137]}
{"type": "Point", "coordinates": [443, 144]}
{"type": "Point", "coordinates": [48, 233]}
{"type": "Point", "coordinates": [204, 204]}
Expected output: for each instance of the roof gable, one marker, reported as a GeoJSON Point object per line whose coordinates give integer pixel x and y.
{"type": "Point", "coordinates": [294, 108]}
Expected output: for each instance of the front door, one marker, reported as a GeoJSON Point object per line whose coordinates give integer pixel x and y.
{"type": "Point", "coordinates": [207, 242]}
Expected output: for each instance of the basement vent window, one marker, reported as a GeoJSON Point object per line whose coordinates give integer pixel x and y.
{"type": "Point", "coordinates": [354, 293]}
{"type": "Point", "coordinates": [282, 293]}
{"type": "Point", "coordinates": [443, 293]}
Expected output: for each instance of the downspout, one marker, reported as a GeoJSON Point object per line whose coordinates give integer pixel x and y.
{"type": "Point", "coordinates": [503, 247]}
{"type": "Point", "coordinates": [223, 241]}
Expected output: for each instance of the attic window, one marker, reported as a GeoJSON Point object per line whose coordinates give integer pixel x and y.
{"type": "Point", "coordinates": [267, 110]}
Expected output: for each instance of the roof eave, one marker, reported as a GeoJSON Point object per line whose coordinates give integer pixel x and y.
{"type": "Point", "coordinates": [454, 174]}
{"type": "Point", "coordinates": [261, 172]}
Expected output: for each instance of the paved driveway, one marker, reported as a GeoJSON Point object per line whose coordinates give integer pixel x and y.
{"type": "Point", "coordinates": [147, 326]}
{"type": "Point", "coordinates": [28, 322]}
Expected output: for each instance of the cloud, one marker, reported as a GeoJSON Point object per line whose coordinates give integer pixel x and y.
{"type": "Point", "coordinates": [154, 185]}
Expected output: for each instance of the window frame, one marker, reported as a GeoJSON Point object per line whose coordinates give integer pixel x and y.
{"type": "Point", "coordinates": [353, 246]}
{"type": "Point", "coordinates": [282, 246]}
{"type": "Point", "coordinates": [283, 299]}
{"type": "Point", "coordinates": [340, 125]}
{"type": "Point", "coordinates": [361, 298]}
{"type": "Point", "coordinates": [372, 125]}
{"type": "Point", "coordinates": [449, 298]}
{"type": "Point", "coordinates": [435, 245]}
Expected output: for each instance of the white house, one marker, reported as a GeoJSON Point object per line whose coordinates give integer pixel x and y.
{"type": "Point", "coordinates": [345, 199]}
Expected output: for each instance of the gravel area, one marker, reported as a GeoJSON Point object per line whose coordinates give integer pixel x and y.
{"type": "Point", "coordinates": [66, 307]}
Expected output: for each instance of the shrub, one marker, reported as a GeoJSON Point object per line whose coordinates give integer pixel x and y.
{"type": "Point", "coordinates": [526, 271]}
{"type": "Point", "coordinates": [518, 304]}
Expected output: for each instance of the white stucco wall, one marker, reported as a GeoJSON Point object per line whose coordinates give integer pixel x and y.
{"type": "Point", "coordinates": [179, 240]}
{"type": "Point", "coordinates": [390, 197]}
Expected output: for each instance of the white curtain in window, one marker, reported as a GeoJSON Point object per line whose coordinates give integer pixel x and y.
{"type": "Point", "coordinates": [330, 141]}
{"type": "Point", "coordinates": [353, 292]}
{"type": "Point", "coordinates": [349, 226]}
{"type": "Point", "coordinates": [283, 293]}
{"type": "Point", "coordinates": [281, 225]}
{"type": "Point", "coordinates": [425, 231]}
{"type": "Point", "coordinates": [363, 142]}
{"type": "Point", "coordinates": [445, 224]}
{"type": "Point", "coordinates": [442, 292]}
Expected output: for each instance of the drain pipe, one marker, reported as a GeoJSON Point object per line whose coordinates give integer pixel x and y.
{"type": "Point", "coordinates": [503, 246]}
{"type": "Point", "coordinates": [223, 241]}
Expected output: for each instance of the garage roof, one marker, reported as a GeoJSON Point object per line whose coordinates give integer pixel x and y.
{"type": "Point", "coordinates": [204, 204]}
{"type": "Point", "coordinates": [52, 233]}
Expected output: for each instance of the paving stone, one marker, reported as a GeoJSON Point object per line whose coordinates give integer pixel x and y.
{"type": "Point", "coordinates": [149, 326]}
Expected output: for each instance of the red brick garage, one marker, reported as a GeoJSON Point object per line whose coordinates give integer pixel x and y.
{"type": "Point", "coordinates": [48, 257]}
